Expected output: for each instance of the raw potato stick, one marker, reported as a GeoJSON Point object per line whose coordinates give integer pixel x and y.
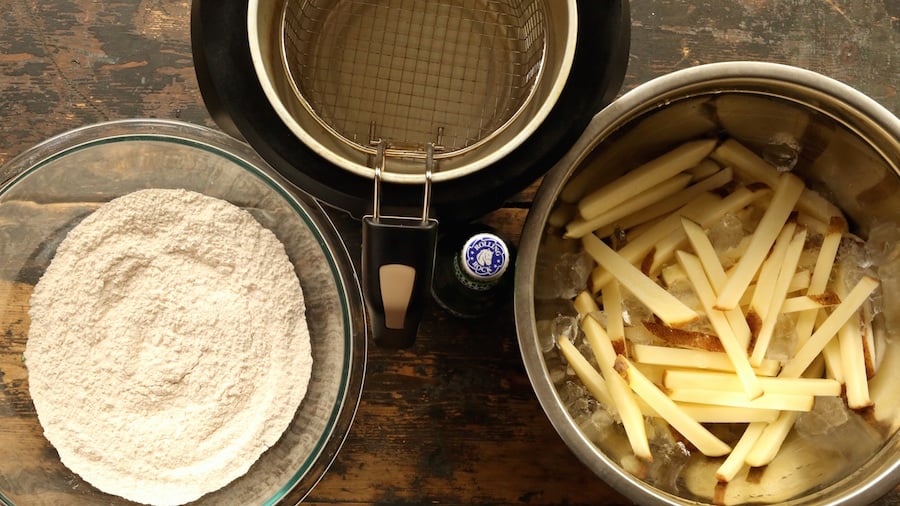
{"type": "Point", "coordinates": [768, 273]}
{"type": "Point", "coordinates": [736, 352]}
{"type": "Point", "coordinates": [734, 154]}
{"type": "Point", "coordinates": [666, 247]}
{"type": "Point", "coordinates": [638, 247]}
{"type": "Point", "coordinates": [852, 351]}
{"type": "Point", "coordinates": [700, 359]}
{"type": "Point", "coordinates": [707, 413]}
{"type": "Point", "coordinates": [585, 304]}
{"type": "Point", "coordinates": [705, 210]}
{"type": "Point", "coordinates": [717, 277]}
{"type": "Point", "coordinates": [698, 379]}
{"type": "Point", "coordinates": [561, 214]}
{"type": "Point", "coordinates": [638, 180]}
{"type": "Point", "coordinates": [699, 436]}
{"type": "Point", "coordinates": [612, 304]}
{"type": "Point", "coordinates": [769, 442]}
{"type": "Point", "coordinates": [818, 281]}
{"type": "Point", "coordinates": [666, 306]}
{"type": "Point", "coordinates": [805, 303]}
{"type": "Point", "coordinates": [578, 227]}
{"type": "Point", "coordinates": [829, 328]}
{"type": "Point", "coordinates": [735, 460]}
{"type": "Point", "coordinates": [776, 401]}
{"type": "Point", "coordinates": [629, 411]}
{"type": "Point", "coordinates": [592, 380]}
{"type": "Point", "coordinates": [777, 296]}
{"type": "Point", "coordinates": [667, 206]}
{"type": "Point", "coordinates": [707, 167]}
{"type": "Point", "coordinates": [787, 191]}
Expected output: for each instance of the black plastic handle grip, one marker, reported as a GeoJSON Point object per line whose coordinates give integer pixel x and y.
{"type": "Point", "coordinates": [397, 264]}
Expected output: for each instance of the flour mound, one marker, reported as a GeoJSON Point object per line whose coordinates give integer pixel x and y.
{"type": "Point", "coordinates": [168, 346]}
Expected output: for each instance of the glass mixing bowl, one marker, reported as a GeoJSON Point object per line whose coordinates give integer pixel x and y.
{"type": "Point", "coordinates": [842, 144]}
{"type": "Point", "coordinates": [48, 189]}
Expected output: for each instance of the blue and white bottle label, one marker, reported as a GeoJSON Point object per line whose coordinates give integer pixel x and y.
{"type": "Point", "coordinates": [485, 256]}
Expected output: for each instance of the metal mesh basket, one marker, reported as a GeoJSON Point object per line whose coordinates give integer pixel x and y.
{"type": "Point", "coordinates": [453, 73]}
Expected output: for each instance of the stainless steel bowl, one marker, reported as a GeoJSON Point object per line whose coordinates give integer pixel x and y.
{"type": "Point", "coordinates": [850, 152]}
{"type": "Point", "coordinates": [49, 188]}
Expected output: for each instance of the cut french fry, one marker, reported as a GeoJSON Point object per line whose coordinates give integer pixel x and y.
{"type": "Point", "coordinates": [585, 304]}
{"type": "Point", "coordinates": [834, 364]}
{"type": "Point", "coordinates": [869, 349]}
{"type": "Point", "coordinates": [670, 204]}
{"type": "Point", "coordinates": [753, 168]}
{"type": "Point", "coordinates": [612, 304]}
{"type": "Point", "coordinates": [662, 239]}
{"type": "Point", "coordinates": [647, 175]}
{"type": "Point", "coordinates": [813, 225]}
{"type": "Point", "coordinates": [668, 308]}
{"type": "Point", "coordinates": [699, 436]}
{"type": "Point", "coordinates": [852, 352]}
{"type": "Point", "coordinates": [799, 282]}
{"type": "Point", "coordinates": [777, 296]}
{"type": "Point", "coordinates": [853, 362]}
{"type": "Point", "coordinates": [771, 439]}
{"type": "Point", "coordinates": [665, 248]}
{"type": "Point", "coordinates": [735, 460]}
{"type": "Point", "coordinates": [624, 399]}
{"type": "Point", "coordinates": [701, 359]}
{"type": "Point", "coordinates": [579, 226]}
{"type": "Point", "coordinates": [704, 251]}
{"type": "Point", "coordinates": [768, 272]}
{"type": "Point", "coordinates": [672, 274]}
{"type": "Point", "coordinates": [707, 167]}
{"type": "Point", "coordinates": [818, 281]}
{"type": "Point", "coordinates": [592, 379]}
{"type": "Point", "coordinates": [769, 443]}
{"type": "Point", "coordinates": [638, 247]}
{"type": "Point", "coordinates": [733, 348]}
{"type": "Point", "coordinates": [776, 401]}
{"type": "Point", "coordinates": [708, 413]}
{"type": "Point", "coordinates": [696, 379]}
{"type": "Point", "coordinates": [681, 338]}
{"type": "Point", "coordinates": [787, 191]}
{"type": "Point", "coordinates": [810, 302]}
{"type": "Point", "coordinates": [717, 277]}
{"type": "Point", "coordinates": [561, 215]}
{"type": "Point", "coordinates": [829, 328]}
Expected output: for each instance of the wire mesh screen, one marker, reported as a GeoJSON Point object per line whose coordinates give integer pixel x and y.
{"type": "Point", "coordinates": [449, 72]}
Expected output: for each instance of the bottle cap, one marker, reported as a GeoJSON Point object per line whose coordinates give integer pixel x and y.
{"type": "Point", "coordinates": [485, 257]}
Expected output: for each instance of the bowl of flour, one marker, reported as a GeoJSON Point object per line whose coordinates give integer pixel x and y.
{"type": "Point", "coordinates": [177, 323]}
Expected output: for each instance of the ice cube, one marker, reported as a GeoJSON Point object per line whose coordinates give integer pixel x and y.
{"type": "Point", "coordinates": [784, 339]}
{"type": "Point", "coordinates": [571, 273]}
{"type": "Point", "coordinates": [634, 311]}
{"type": "Point", "coordinates": [544, 331]}
{"type": "Point", "coordinates": [726, 233]}
{"type": "Point", "coordinates": [556, 366]}
{"type": "Point", "coordinates": [782, 151]}
{"type": "Point", "coordinates": [683, 290]}
{"type": "Point", "coordinates": [827, 415]}
{"type": "Point", "coordinates": [572, 393]}
{"type": "Point", "coordinates": [564, 326]}
{"type": "Point", "coordinates": [596, 425]}
{"type": "Point", "coordinates": [669, 458]}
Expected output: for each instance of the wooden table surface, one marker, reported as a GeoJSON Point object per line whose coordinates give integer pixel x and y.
{"type": "Point", "coordinates": [452, 420]}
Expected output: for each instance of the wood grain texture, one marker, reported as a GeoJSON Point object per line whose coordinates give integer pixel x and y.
{"type": "Point", "coordinates": [454, 420]}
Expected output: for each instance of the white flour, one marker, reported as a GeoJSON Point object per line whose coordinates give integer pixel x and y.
{"type": "Point", "coordinates": [168, 346]}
